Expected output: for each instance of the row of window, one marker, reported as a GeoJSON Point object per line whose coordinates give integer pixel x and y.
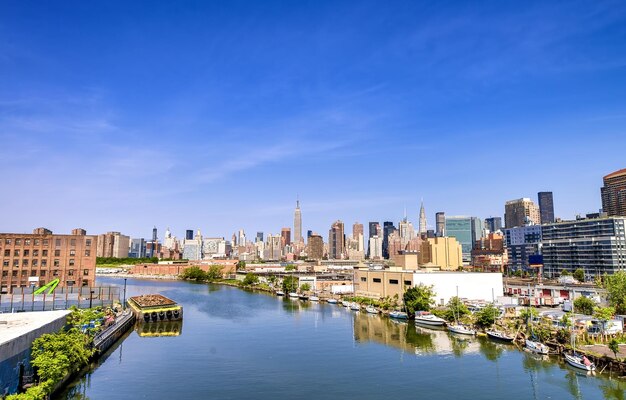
{"type": "Point", "coordinates": [391, 281]}
{"type": "Point", "coordinates": [70, 272]}
{"type": "Point", "coordinates": [34, 263]}
{"type": "Point", "coordinates": [44, 253]}
{"type": "Point", "coordinates": [44, 242]}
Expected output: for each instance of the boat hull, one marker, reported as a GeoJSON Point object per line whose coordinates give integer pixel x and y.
{"type": "Point", "coordinates": [499, 337]}
{"type": "Point", "coordinates": [429, 322]}
{"type": "Point", "coordinates": [577, 362]}
{"type": "Point", "coordinates": [461, 330]}
{"type": "Point", "coordinates": [398, 315]}
{"type": "Point", "coordinates": [537, 347]}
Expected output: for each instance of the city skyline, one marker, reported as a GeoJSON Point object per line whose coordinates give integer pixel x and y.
{"type": "Point", "coordinates": [216, 116]}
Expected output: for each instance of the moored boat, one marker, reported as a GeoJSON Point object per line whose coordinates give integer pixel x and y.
{"type": "Point", "coordinates": [581, 362]}
{"type": "Point", "coordinates": [355, 307]}
{"type": "Point", "coordinates": [332, 301]}
{"type": "Point", "coordinates": [537, 347]}
{"type": "Point", "coordinates": [497, 335]}
{"type": "Point", "coordinates": [293, 295]}
{"type": "Point", "coordinates": [280, 293]}
{"type": "Point", "coordinates": [314, 298]}
{"type": "Point", "coordinates": [461, 330]}
{"type": "Point", "coordinates": [371, 310]}
{"type": "Point", "coordinates": [426, 318]}
{"type": "Point", "coordinates": [398, 315]}
{"type": "Point", "coordinates": [303, 297]}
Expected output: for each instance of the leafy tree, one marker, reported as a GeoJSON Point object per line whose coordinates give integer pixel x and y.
{"type": "Point", "coordinates": [487, 316]}
{"type": "Point", "coordinates": [250, 279]}
{"type": "Point", "coordinates": [290, 267]}
{"type": "Point", "coordinates": [193, 274]}
{"type": "Point", "coordinates": [614, 347]}
{"type": "Point", "coordinates": [579, 275]}
{"type": "Point", "coordinates": [584, 305]}
{"type": "Point", "coordinates": [565, 273]}
{"type": "Point", "coordinates": [604, 314]}
{"type": "Point", "coordinates": [305, 287]}
{"type": "Point", "coordinates": [528, 313]}
{"type": "Point", "coordinates": [272, 279]}
{"type": "Point", "coordinates": [290, 284]}
{"type": "Point", "coordinates": [456, 309]}
{"type": "Point", "coordinates": [241, 265]}
{"type": "Point", "coordinates": [419, 298]}
{"type": "Point", "coordinates": [214, 273]}
{"type": "Point", "coordinates": [615, 286]}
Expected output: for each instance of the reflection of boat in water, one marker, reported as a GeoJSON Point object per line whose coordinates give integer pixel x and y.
{"type": "Point", "coordinates": [581, 362]}
{"type": "Point", "coordinates": [398, 315]}
{"type": "Point", "coordinates": [501, 336]}
{"type": "Point", "coordinates": [426, 318]}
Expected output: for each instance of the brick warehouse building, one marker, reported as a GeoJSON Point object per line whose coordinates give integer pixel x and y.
{"type": "Point", "coordinates": [37, 258]}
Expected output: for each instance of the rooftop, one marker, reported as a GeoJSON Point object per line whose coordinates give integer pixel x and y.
{"type": "Point", "coordinates": [17, 324]}
{"type": "Point", "coordinates": [616, 173]}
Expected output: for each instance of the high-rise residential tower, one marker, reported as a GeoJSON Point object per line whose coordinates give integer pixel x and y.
{"type": "Point", "coordinates": [521, 212]}
{"type": "Point", "coordinates": [422, 228]}
{"type": "Point", "coordinates": [493, 224]}
{"type": "Point", "coordinates": [546, 207]}
{"type": "Point", "coordinates": [285, 235]}
{"type": "Point", "coordinates": [440, 224]}
{"type": "Point", "coordinates": [614, 193]}
{"type": "Point", "coordinates": [374, 228]}
{"type": "Point", "coordinates": [336, 241]}
{"type": "Point", "coordinates": [388, 229]}
{"type": "Point", "coordinates": [297, 223]}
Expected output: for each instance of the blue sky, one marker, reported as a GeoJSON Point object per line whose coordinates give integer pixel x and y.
{"type": "Point", "coordinates": [216, 115]}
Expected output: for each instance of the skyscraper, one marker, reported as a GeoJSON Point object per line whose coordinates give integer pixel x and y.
{"type": "Point", "coordinates": [388, 229]}
{"type": "Point", "coordinates": [466, 230]}
{"type": "Point", "coordinates": [259, 236]}
{"type": "Point", "coordinates": [493, 224]}
{"type": "Point", "coordinates": [297, 223]}
{"type": "Point", "coordinates": [373, 231]}
{"type": "Point", "coordinates": [285, 235]}
{"type": "Point", "coordinates": [422, 228]}
{"type": "Point", "coordinates": [357, 234]}
{"type": "Point", "coordinates": [189, 234]}
{"type": "Point", "coordinates": [546, 207]}
{"type": "Point", "coordinates": [519, 212]}
{"type": "Point", "coordinates": [440, 223]}
{"type": "Point", "coordinates": [336, 241]}
{"type": "Point", "coordinates": [614, 193]}
{"type": "Point", "coordinates": [315, 247]}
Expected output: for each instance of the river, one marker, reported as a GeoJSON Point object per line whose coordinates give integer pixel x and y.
{"type": "Point", "coordinates": [235, 344]}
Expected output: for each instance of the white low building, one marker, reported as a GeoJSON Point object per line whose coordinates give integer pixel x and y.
{"type": "Point", "coordinates": [469, 285]}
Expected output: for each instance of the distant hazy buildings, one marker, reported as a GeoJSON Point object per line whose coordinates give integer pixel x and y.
{"type": "Point", "coordinates": [440, 224]}
{"type": "Point", "coordinates": [493, 224]}
{"type": "Point", "coordinates": [213, 248]}
{"type": "Point", "coordinates": [336, 241]}
{"type": "Point", "coordinates": [614, 193]}
{"type": "Point", "coordinates": [489, 253]}
{"type": "Point", "coordinates": [113, 244]}
{"type": "Point", "coordinates": [297, 223]}
{"type": "Point", "coordinates": [315, 247]}
{"type": "Point", "coordinates": [37, 258]}
{"type": "Point", "coordinates": [521, 243]}
{"type": "Point", "coordinates": [466, 230]}
{"type": "Point", "coordinates": [521, 212]}
{"type": "Point", "coordinates": [596, 245]}
{"type": "Point", "coordinates": [546, 207]}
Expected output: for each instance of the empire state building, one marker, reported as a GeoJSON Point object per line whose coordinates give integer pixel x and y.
{"type": "Point", "coordinates": [297, 223]}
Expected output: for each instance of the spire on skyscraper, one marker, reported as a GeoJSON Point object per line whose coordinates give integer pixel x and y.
{"type": "Point", "coordinates": [422, 228]}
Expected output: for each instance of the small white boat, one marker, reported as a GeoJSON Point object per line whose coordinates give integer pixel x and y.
{"type": "Point", "coordinates": [537, 347]}
{"type": "Point", "coordinates": [314, 298]}
{"type": "Point", "coordinates": [331, 301]}
{"type": "Point", "coordinates": [280, 293]}
{"type": "Point", "coordinates": [497, 335]}
{"type": "Point", "coordinates": [371, 310]}
{"type": "Point", "coordinates": [579, 361]}
{"type": "Point", "coordinates": [293, 295]}
{"type": "Point", "coordinates": [461, 330]}
{"type": "Point", "coordinates": [355, 307]}
{"type": "Point", "coordinates": [398, 315]}
{"type": "Point", "coordinates": [426, 318]}
{"type": "Point", "coordinates": [303, 297]}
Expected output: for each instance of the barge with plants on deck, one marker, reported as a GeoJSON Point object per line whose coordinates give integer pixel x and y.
{"type": "Point", "coordinates": [155, 308]}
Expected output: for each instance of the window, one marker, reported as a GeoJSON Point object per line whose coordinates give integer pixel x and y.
{"type": "Point", "coordinates": [18, 242]}
{"type": "Point", "coordinates": [14, 273]}
{"type": "Point", "coordinates": [71, 262]}
{"type": "Point", "coordinates": [27, 242]}
{"type": "Point", "coordinates": [87, 253]}
{"type": "Point", "coordinates": [7, 253]}
{"type": "Point", "coordinates": [377, 280]}
{"type": "Point", "coordinates": [56, 263]}
{"type": "Point", "coordinates": [44, 253]}
{"type": "Point", "coordinates": [57, 242]}
{"type": "Point", "coordinates": [16, 253]}
{"type": "Point", "coordinates": [73, 242]}
{"type": "Point", "coordinates": [46, 242]}
{"type": "Point", "coordinates": [363, 279]}
{"type": "Point", "coordinates": [25, 262]}
{"type": "Point", "coordinates": [37, 242]}
{"type": "Point", "coordinates": [16, 263]}
{"type": "Point", "coordinates": [88, 242]}
{"type": "Point", "coordinates": [43, 273]}
{"type": "Point", "coordinates": [5, 263]}
{"type": "Point", "coordinates": [70, 272]}
{"type": "Point", "coordinates": [72, 253]}
{"type": "Point", "coordinates": [34, 263]}
{"type": "Point", "coordinates": [7, 241]}
{"type": "Point", "coordinates": [57, 253]}
{"type": "Point", "coordinates": [33, 272]}
{"type": "Point", "coordinates": [393, 281]}
{"type": "Point", "coordinates": [70, 283]}
{"type": "Point", "coordinates": [44, 263]}
{"type": "Point", "coordinates": [24, 272]}
{"type": "Point", "coordinates": [85, 272]}
{"type": "Point", "coordinates": [55, 272]}
{"type": "Point", "coordinates": [408, 283]}
{"type": "Point", "coordinates": [35, 253]}
{"type": "Point", "coordinates": [5, 273]}
{"type": "Point", "coordinates": [26, 253]}
{"type": "Point", "coordinates": [85, 282]}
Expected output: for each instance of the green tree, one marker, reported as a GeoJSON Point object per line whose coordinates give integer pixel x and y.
{"type": "Point", "coordinates": [528, 313]}
{"type": "Point", "coordinates": [579, 275]}
{"type": "Point", "coordinates": [604, 314]}
{"type": "Point", "coordinates": [214, 273]}
{"type": "Point", "coordinates": [305, 287]}
{"type": "Point", "coordinates": [565, 273]}
{"type": "Point", "coordinates": [615, 286]}
{"type": "Point", "coordinates": [584, 305]}
{"type": "Point", "coordinates": [614, 347]}
{"type": "Point", "coordinates": [290, 267]}
{"type": "Point", "coordinates": [419, 298]}
{"type": "Point", "coordinates": [290, 284]}
{"type": "Point", "coordinates": [487, 316]}
{"type": "Point", "coordinates": [272, 279]}
{"type": "Point", "coordinates": [456, 309]}
{"type": "Point", "coordinates": [193, 274]}
{"type": "Point", "coordinates": [241, 265]}
{"type": "Point", "coordinates": [250, 279]}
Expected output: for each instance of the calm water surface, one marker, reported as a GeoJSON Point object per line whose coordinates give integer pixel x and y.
{"type": "Point", "coordinates": [239, 345]}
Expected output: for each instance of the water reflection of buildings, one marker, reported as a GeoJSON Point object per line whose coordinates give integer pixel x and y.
{"type": "Point", "coordinates": [408, 337]}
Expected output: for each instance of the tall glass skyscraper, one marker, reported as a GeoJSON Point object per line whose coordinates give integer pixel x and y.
{"type": "Point", "coordinates": [546, 207]}
{"type": "Point", "coordinates": [466, 230]}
